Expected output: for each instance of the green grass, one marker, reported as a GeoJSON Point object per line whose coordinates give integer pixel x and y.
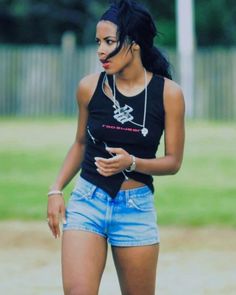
{"type": "Point", "coordinates": [202, 193]}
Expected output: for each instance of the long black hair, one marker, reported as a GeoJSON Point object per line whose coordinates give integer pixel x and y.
{"type": "Point", "coordinates": [135, 24]}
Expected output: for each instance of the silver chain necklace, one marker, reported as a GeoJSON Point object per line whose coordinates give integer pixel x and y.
{"type": "Point", "coordinates": [123, 114]}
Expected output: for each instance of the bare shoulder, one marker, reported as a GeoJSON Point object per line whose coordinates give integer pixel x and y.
{"type": "Point", "coordinates": [86, 88]}
{"type": "Point", "coordinates": [173, 95]}
{"type": "Point", "coordinates": [172, 90]}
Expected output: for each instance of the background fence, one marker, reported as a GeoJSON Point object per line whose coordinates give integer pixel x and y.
{"type": "Point", "coordinates": [41, 80]}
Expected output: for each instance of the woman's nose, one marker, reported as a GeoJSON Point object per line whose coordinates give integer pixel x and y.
{"type": "Point", "coordinates": [101, 49]}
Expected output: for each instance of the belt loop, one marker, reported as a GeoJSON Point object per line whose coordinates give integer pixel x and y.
{"type": "Point", "coordinates": [127, 193]}
{"type": "Point", "coordinates": [92, 191]}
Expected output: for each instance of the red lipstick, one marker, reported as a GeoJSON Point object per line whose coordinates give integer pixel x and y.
{"type": "Point", "coordinates": [105, 63]}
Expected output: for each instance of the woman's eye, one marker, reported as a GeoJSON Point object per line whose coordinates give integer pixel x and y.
{"type": "Point", "coordinates": [110, 42]}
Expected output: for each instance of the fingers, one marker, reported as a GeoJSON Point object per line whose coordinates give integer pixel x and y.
{"type": "Point", "coordinates": [102, 165]}
{"type": "Point", "coordinates": [107, 168]}
{"type": "Point", "coordinates": [113, 165]}
{"type": "Point", "coordinates": [63, 215]}
{"type": "Point", "coordinates": [106, 172]}
{"type": "Point", "coordinates": [107, 161]}
{"type": "Point", "coordinates": [115, 150]}
{"type": "Point", "coordinates": [53, 223]}
{"type": "Point", "coordinates": [55, 226]}
{"type": "Point", "coordinates": [56, 212]}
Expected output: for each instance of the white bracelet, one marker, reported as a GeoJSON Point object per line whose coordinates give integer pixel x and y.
{"type": "Point", "coordinates": [55, 192]}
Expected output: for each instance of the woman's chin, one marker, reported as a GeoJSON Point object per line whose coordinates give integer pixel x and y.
{"type": "Point", "coordinates": [110, 71]}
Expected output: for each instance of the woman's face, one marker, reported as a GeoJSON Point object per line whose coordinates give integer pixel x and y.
{"type": "Point", "coordinates": [106, 38]}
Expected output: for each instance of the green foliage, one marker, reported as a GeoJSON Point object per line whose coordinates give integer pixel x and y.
{"type": "Point", "coordinates": [167, 33]}
{"type": "Point", "coordinates": [43, 22]}
{"type": "Point", "coordinates": [34, 21]}
{"type": "Point", "coordinates": [202, 193]}
{"type": "Point", "coordinates": [215, 22]}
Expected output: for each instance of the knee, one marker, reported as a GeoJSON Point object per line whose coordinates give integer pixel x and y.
{"type": "Point", "coordinates": [79, 290]}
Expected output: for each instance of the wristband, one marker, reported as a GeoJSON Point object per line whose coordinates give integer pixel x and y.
{"type": "Point", "coordinates": [55, 192]}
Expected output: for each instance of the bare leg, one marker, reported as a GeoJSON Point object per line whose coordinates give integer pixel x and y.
{"type": "Point", "coordinates": [83, 261]}
{"type": "Point", "coordinates": [136, 269]}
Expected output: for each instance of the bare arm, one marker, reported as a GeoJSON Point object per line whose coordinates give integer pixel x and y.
{"type": "Point", "coordinates": [174, 141]}
{"type": "Point", "coordinates": [174, 135]}
{"type": "Point", "coordinates": [74, 157]}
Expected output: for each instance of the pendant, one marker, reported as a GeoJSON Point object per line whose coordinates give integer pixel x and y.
{"type": "Point", "coordinates": [144, 131]}
{"type": "Point", "coordinates": [122, 114]}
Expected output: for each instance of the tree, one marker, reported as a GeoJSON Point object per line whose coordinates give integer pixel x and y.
{"type": "Point", "coordinates": [44, 21]}
{"type": "Point", "coordinates": [216, 22]}
{"type": "Point", "coordinates": [33, 21]}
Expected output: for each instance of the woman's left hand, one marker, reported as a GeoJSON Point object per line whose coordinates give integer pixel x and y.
{"type": "Point", "coordinates": [107, 167]}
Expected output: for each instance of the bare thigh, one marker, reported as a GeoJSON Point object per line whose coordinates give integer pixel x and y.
{"type": "Point", "coordinates": [136, 269]}
{"type": "Point", "coordinates": [83, 261]}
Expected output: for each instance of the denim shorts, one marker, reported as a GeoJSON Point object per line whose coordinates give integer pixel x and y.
{"type": "Point", "coordinates": [129, 219]}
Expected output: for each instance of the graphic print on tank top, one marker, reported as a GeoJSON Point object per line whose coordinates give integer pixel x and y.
{"type": "Point", "coordinates": [123, 114]}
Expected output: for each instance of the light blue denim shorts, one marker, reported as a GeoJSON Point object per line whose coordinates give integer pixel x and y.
{"type": "Point", "coordinates": [129, 219]}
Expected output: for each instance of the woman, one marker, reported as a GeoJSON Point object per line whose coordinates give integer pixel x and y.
{"type": "Point", "coordinates": [123, 112]}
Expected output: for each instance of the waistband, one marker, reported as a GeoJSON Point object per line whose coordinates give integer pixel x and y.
{"type": "Point", "coordinates": [121, 195]}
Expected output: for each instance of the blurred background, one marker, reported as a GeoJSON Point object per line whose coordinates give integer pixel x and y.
{"type": "Point", "coordinates": [46, 47]}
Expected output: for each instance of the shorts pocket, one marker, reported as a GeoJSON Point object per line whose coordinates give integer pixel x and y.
{"type": "Point", "coordinates": [142, 203]}
{"type": "Point", "coordinates": [83, 191]}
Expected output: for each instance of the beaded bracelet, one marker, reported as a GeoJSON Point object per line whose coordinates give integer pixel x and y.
{"type": "Point", "coordinates": [55, 192]}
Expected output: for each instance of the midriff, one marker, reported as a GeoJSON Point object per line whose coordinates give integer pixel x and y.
{"type": "Point", "coordinates": [131, 183]}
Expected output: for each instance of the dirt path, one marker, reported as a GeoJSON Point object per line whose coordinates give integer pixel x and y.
{"type": "Point", "coordinates": [192, 261]}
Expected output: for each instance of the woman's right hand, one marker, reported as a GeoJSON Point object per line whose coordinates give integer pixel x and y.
{"type": "Point", "coordinates": [55, 213]}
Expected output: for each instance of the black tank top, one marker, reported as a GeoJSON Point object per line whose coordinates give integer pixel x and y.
{"type": "Point", "coordinates": [103, 129]}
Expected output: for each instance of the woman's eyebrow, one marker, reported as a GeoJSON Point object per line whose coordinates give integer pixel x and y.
{"type": "Point", "coordinates": [105, 38]}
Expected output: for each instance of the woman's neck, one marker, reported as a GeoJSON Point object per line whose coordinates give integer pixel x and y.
{"type": "Point", "coordinates": [131, 75]}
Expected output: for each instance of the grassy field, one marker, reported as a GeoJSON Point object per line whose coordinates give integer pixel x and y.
{"type": "Point", "coordinates": [202, 193]}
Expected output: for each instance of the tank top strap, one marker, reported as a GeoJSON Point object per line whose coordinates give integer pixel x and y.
{"type": "Point", "coordinates": [100, 81]}
{"type": "Point", "coordinates": [110, 81]}
{"type": "Point", "coordinates": [98, 90]}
